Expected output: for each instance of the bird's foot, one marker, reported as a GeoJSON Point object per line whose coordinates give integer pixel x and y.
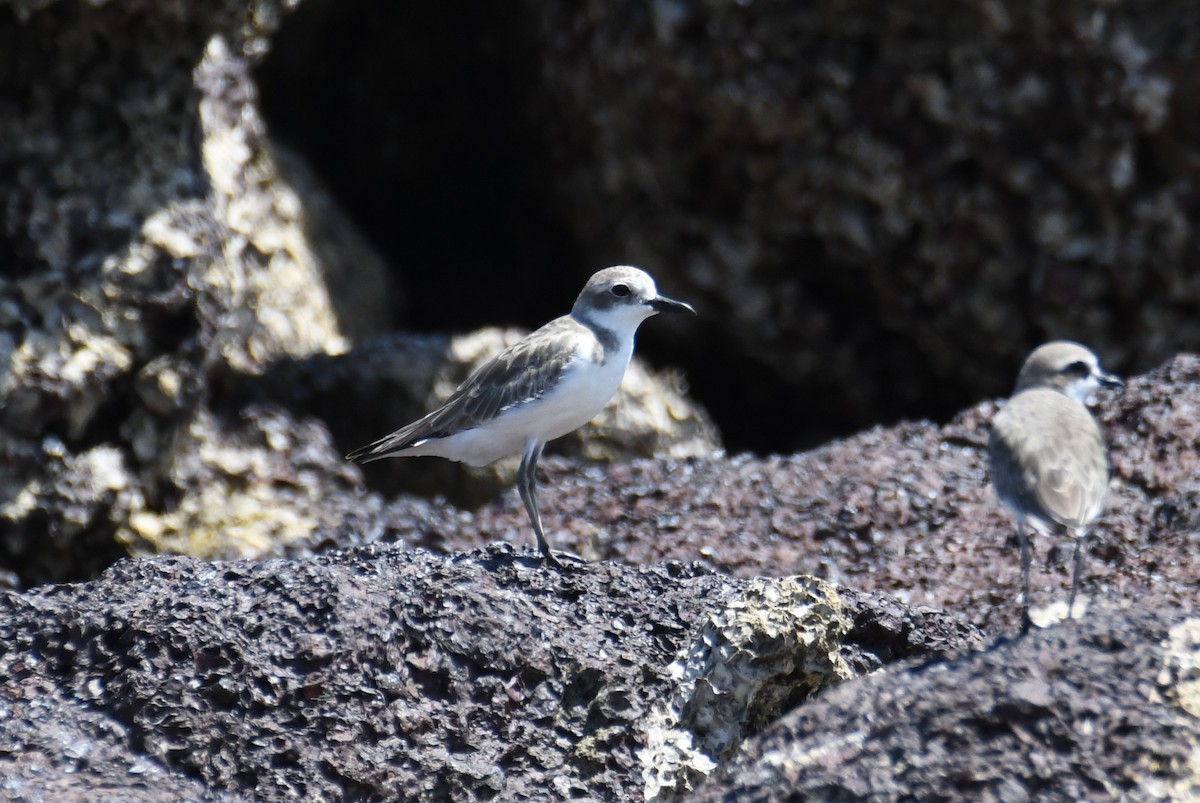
{"type": "Point", "coordinates": [572, 562]}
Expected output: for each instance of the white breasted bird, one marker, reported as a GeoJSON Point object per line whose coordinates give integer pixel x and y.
{"type": "Point", "coordinates": [551, 382]}
{"type": "Point", "coordinates": [1048, 460]}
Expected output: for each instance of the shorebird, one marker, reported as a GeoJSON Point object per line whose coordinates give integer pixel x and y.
{"type": "Point", "coordinates": [550, 383]}
{"type": "Point", "coordinates": [1048, 461]}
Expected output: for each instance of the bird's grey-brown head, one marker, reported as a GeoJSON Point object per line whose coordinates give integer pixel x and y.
{"type": "Point", "coordinates": [620, 298]}
{"type": "Point", "coordinates": [1065, 366]}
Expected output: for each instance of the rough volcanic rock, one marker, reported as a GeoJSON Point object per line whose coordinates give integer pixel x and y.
{"type": "Point", "coordinates": [385, 673]}
{"type": "Point", "coordinates": [1100, 710]}
{"type": "Point", "coordinates": [151, 250]}
{"type": "Point", "coordinates": [60, 749]}
{"type": "Point", "coordinates": [951, 188]}
{"type": "Point", "coordinates": [288, 660]}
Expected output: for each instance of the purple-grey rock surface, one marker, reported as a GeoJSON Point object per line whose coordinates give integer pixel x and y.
{"type": "Point", "coordinates": [390, 673]}
{"type": "Point", "coordinates": [1048, 717]}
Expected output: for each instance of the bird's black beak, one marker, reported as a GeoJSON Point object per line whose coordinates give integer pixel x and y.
{"type": "Point", "coordinates": [664, 304]}
{"type": "Point", "coordinates": [1109, 381]}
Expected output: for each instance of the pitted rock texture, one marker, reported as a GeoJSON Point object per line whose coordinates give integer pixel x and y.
{"type": "Point", "coordinates": [153, 251]}
{"type": "Point", "coordinates": [1085, 711]}
{"type": "Point", "coordinates": [726, 684]}
{"type": "Point", "coordinates": [385, 673]}
{"type": "Point", "coordinates": [60, 749]}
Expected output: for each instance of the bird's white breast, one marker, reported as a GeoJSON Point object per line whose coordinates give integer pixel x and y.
{"type": "Point", "coordinates": [585, 388]}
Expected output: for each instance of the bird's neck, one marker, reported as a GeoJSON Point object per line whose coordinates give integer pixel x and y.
{"type": "Point", "coordinates": [614, 343]}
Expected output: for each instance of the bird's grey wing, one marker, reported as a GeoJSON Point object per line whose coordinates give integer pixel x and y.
{"type": "Point", "coordinates": [519, 373]}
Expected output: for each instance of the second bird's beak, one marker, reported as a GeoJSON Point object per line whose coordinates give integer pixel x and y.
{"type": "Point", "coordinates": [1109, 381]}
{"type": "Point", "coordinates": [664, 304]}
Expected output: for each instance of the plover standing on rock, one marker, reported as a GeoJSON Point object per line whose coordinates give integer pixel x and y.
{"type": "Point", "coordinates": [550, 383]}
{"type": "Point", "coordinates": [1048, 461]}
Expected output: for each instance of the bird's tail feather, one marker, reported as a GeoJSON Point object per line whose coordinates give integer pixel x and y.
{"type": "Point", "coordinates": [388, 446]}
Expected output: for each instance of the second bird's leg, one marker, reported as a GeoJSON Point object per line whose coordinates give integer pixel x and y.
{"type": "Point", "coordinates": [527, 487]}
{"type": "Point", "coordinates": [1026, 622]}
{"type": "Point", "coordinates": [1080, 543]}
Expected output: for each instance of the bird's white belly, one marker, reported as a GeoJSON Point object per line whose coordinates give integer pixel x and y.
{"type": "Point", "coordinates": [581, 393]}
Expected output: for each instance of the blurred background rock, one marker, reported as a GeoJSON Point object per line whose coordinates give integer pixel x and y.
{"type": "Point", "coordinates": [878, 211]}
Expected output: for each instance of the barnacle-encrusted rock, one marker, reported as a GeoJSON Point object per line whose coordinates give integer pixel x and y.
{"type": "Point", "coordinates": [160, 253]}
{"type": "Point", "coordinates": [773, 646]}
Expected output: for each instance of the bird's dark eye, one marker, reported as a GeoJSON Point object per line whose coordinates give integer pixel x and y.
{"type": "Point", "coordinates": [1079, 369]}
{"type": "Point", "coordinates": [620, 290]}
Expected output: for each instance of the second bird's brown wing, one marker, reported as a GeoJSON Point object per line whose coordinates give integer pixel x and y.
{"type": "Point", "coordinates": [1074, 481]}
{"type": "Point", "coordinates": [1054, 464]}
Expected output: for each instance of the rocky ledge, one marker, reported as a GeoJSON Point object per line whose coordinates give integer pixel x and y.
{"type": "Point", "coordinates": [390, 671]}
{"type": "Point", "coordinates": [387, 673]}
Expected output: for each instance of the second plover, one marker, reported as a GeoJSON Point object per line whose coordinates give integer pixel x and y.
{"type": "Point", "coordinates": [1048, 461]}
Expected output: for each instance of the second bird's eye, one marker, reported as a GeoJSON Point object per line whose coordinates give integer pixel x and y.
{"type": "Point", "coordinates": [1078, 368]}
{"type": "Point", "coordinates": [620, 290]}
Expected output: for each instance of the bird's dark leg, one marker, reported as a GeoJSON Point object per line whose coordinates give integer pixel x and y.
{"type": "Point", "coordinates": [1026, 622]}
{"type": "Point", "coordinates": [1079, 546]}
{"type": "Point", "coordinates": [527, 487]}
